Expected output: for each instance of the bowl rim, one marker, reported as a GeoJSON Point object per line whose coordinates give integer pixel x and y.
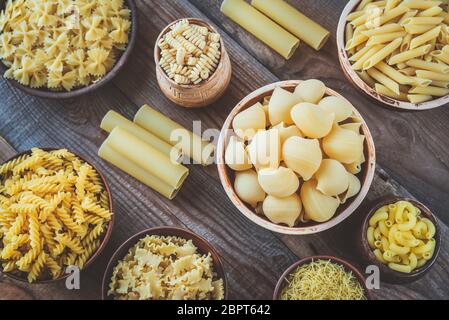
{"type": "Point", "coordinates": [355, 202]}
{"type": "Point", "coordinates": [120, 63]}
{"type": "Point", "coordinates": [157, 53]}
{"type": "Point", "coordinates": [161, 231]}
{"type": "Point", "coordinates": [354, 78]}
{"type": "Point", "coordinates": [346, 264]}
{"type": "Point", "coordinates": [106, 235]}
{"type": "Point", "coordinates": [368, 254]}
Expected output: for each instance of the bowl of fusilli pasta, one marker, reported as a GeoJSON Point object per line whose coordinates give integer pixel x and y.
{"type": "Point", "coordinates": [56, 215]}
{"type": "Point", "coordinates": [65, 49]}
{"type": "Point", "coordinates": [193, 68]}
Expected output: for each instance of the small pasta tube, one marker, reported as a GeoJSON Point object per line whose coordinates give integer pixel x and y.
{"type": "Point", "coordinates": [431, 91]}
{"type": "Point", "coordinates": [429, 66]}
{"type": "Point", "coordinates": [419, 98]}
{"type": "Point", "coordinates": [410, 54]}
{"type": "Point", "coordinates": [383, 79]}
{"type": "Point", "coordinates": [425, 37]}
{"type": "Point", "coordinates": [382, 54]}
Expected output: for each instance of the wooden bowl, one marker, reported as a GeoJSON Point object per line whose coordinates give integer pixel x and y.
{"type": "Point", "coordinates": [227, 175]}
{"type": "Point", "coordinates": [283, 280]}
{"type": "Point", "coordinates": [203, 247]}
{"type": "Point", "coordinates": [354, 78]}
{"type": "Point", "coordinates": [122, 60]}
{"type": "Point", "coordinates": [387, 274]}
{"type": "Point", "coordinates": [105, 236]}
{"type": "Point", "coordinates": [195, 95]}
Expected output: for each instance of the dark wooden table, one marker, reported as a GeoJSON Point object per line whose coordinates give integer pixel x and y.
{"type": "Point", "coordinates": [412, 149]}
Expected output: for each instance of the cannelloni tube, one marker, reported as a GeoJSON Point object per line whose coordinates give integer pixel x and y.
{"type": "Point", "coordinates": [261, 27]}
{"type": "Point", "coordinates": [171, 132]}
{"type": "Point", "coordinates": [113, 119]}
{"type": "Point", "coordinates": [124, 164]}
{"type": "Point", "coordinates": [147, 157]}
{"type": "Point", "coordinates": [294, 21]}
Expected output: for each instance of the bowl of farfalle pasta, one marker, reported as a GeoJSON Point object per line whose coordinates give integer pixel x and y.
{"type": "Point", "coordinates": [55, 215]}
{"type": "Point", "coordinates": [296, 157]}
{"type": "Point", "coordinates": [64, 49]}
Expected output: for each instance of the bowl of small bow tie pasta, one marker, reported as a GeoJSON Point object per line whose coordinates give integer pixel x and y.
{"type": "Point", "coordinates": [65, 49]}
{"type": "Point", "coordinates": [55, 215]}
{"type": "Point", "coordinates": [296, 157]}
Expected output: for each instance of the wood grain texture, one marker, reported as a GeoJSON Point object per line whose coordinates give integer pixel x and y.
{"type": "Point", "coordinates": [253, 258]}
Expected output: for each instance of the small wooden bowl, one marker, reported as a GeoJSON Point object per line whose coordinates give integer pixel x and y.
{"type": "Point", "coordinates": [204, 93]}
{"type": "Point", "coordinates": [354, 78]}
{"type": "Point", "coordinates": [203, 247]}
{"type": "Point", "coordinates": [105, 236]}
{"type": "Point", "coordinates": [123, 59]}
{"type": "Point", "coordinates": [283, 280]}
{"type": "Point", "coordinates": [227, 175]}
{"type": "Point", "coordinates": [387, 274]}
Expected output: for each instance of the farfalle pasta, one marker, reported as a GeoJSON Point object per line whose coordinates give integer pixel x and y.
{"type": "Point", "coordinates": [64, 44]}
{"type": "Point", "coordinates": [296, 155]}
{"type": "Point", "coordinates": [165, 268]}
{"type": "Point", "coordinates": [54, 209]}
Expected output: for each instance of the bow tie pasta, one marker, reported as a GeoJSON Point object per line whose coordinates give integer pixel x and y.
{"type": "Point", "coordinates": [297, 154]}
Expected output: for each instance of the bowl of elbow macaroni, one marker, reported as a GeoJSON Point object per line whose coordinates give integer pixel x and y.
{"type": "Point", "coordinates": [295, 157]}
{"type": "Point", "coordinates": [397, 52]}
{"type": "Point", "coordinates": [401, 237]}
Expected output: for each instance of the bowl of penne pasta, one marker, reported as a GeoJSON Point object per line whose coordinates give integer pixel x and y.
{"type": "Point", "coordinates": [56, 215]}
{"type": "Point", "coordinates": [193, 68]}
{"type": "Point", "coordinates": [401, 237]}
{"type": "Point", "coordinates": [296, 157]}
{"type": "Point", "coordinates": [397, 52]}
{"type": "Point", "coordinates": [65, 49]}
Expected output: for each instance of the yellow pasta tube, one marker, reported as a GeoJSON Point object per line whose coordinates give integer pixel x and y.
{"type": "Point", "coordinates": [294, 21]}
{"type": "Point", "coordinates": [382, 38]}
{"type": "Point", "coordinates": [413, 29]}
{"type": "Point", "coordinates": [400, 267]}
{"type": "Point", "coordinates": [113, 119]}
{"type": "Point", "coordinates": [423, 21]}
{"type": "Point", "coordinates": [124, 164]}
{"type": "Point", "coordinates": [409, 224]}
{"type": "Point", "coordinates": [383, 79]}
{"type": "Point", "coordinates": [397, 249]}
{"type": "Point", "coordinates": [430, 66]}
{"type": "Point", "coordinates": [359, 64]}
{"type": "Point", "coordinates": [420, 4]}
{"type": "Point", "coordinates": [419, 98]}
{"type": "Point", "coordinates": [390, 15]}
{"type": "Point", "coordinates": [382, 54]}
{"type": "Point", "coordinates": [425, 37]}
{"type": "Point", "coordinates": [431, 12]}
{"type": "Point", "coordinates": [171, 132]}
{"type": "Point", "coordinates": [381, 89]}
{"type": "Point", "coordinates": [410, 54]}
{"type": "Point", "coordinates": [388, 28]}
{"type": "Point", "coordinates": [441, 84]}
{"type": "Point", "coordinates": [431, 91]}
{"type": "Point", "coordinates": [431, 230]}
{"type": "Point", "coordinates": [393, 73]}
{"type": "Point", "coordinates": [370, 237]}
{"type": "Point", "coordinates": [432, 75]}
{"type": "Point", "coordinates": [424, 248]}
{"type": "Point", "coordinates": [413, 261]}
{"type": "Point", "coordinates": [379, 256]}
{"type": "Point", "coordinates": [378, 216]}
{"type": "Point", "coordinates": [261, 27]}
{"type": "Point", "coordinates": [146, 157]}
{"type": "Point", "coordinates": [440, 55]}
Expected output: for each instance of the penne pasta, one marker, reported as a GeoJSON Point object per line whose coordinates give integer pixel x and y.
{"type": "Point", "coordinates": [382, 54]}
{"type": "Point", "coordinates": [430, 90]}
{"type": "Point", "coordinates": [431, 12]}
{"type": "Point", "coordinates": [409, 54]}
{"type": "Point", "coordinates": [440, 84]}
{"type": "Point", "coordinates": [393, 73]}
{"type": "Point", "coordinates": [432, 75]}
{"type": "Point", "coordinates": [418, 98]}
{"type": "Point", "coordinates": [381, 89]}
{"type": "Point", "coordinates": [430, 66]}
{"type": "Point", "coordinates": [388, 28]}
{"type": "Point", "coordinates": [359, 64]}
{"type": "Point", "coordinates": [386, 37]}
{"type": "Point", "coordinates": [423, 21]}
{"type": "Point", "coordinates": [425, 37]}
{"type": "Point", "coordinates": [383, 79]}
{"type": "Point", "coordinates": [420, 4]}
{"type": "Point", "coordinates": [418, 29]}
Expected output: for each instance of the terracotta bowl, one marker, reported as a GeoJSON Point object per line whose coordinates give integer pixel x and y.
{"type": "Point", "coordinates": [104, 238]}
{"type": "Point", "coordinates": [49, 94]}
{"type": "Point", "coordinates": [227, 175]}
{"type": "Point", "coordinates": [203, 247]}
{"type": "Point", "coordinates": [204, 93]}
{"type": "Point", "coordinates": [360, 84]}
{"type": "Point", "coordinates": [283, 281]}
{"type": "Point", "coordinates": [387, 274]}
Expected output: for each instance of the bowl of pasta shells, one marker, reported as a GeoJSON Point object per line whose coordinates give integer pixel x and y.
{"type": "Point", "coordinates": [397, 52]}
{"type": "Point", "coordinates": [65, 49]}
{"type": "Point", "coordinates": [55, 215]}
{"type": "Point", "coordinates": [193, 68]}
{"type": "Point", "coordinates": [400, 236]}
{"type": "Point", "coordinates": [165, 263]}
{"type": "Point", "coordinates": [296, 157]}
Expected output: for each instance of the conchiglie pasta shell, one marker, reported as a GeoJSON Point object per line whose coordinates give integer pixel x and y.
{"type": "Point", "coordinates": [248, 122]}
{"type": "Point", "coordinates": [287, 132]}
{"type": "Point", "coordinates": [353, 188]}
{"type": "Point", "coordinates": [332, 178]}
{"type": "Point", "coordinates": [318, 207]}
{"type": "Point", "coordinates": [343, 145]}
{"type": "Point", "coordinates": [283, 210]}
{"type": "Point", "coordinates": [236, 156]}
{"type": "Point", "coordinates": [280, 182]}
{"type": "Point", "coordinates": [356, 167]}
{"type": "Point", "coordinates": [281, 103]}
{"type": "Point", "coordinates": [265, 149]}
{"type": "Point", "coordinates": [302, 156]}
{"type": "Point", "coordinates": [247, 187]}
{"type": "Point", "coordinates": [312, 120]}
{"type": "Point", "coordinates": [311, 91]}
{"type": "Point", "coordinates": [353, 126]}
{"type": "Point", "coordinates": [341, 108]}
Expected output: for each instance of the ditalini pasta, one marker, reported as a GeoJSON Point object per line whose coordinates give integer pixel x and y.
{"type": "Point", "coordinates": [261, 27]}
{"type": "Point", "coordinates": [401, 237]}
{"type": "Point", "coordinates": [302, 163]}
{"type": "Point", "coordinates": [403, 47]}
{"type": "Point", "coordinates": [171, 132]}
{"type": "Point", "coordinates": [294, 21]}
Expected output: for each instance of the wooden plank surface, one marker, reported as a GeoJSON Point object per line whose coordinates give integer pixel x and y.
{"type": "Point", "coordinates": [254, 258]}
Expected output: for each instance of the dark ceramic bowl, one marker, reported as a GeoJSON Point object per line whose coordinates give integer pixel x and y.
{"type": "Point", "coordinates": [49, 94]}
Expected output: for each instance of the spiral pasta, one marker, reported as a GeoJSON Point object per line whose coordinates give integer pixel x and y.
{"type": "Point", "coordinates": [46, 223]}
